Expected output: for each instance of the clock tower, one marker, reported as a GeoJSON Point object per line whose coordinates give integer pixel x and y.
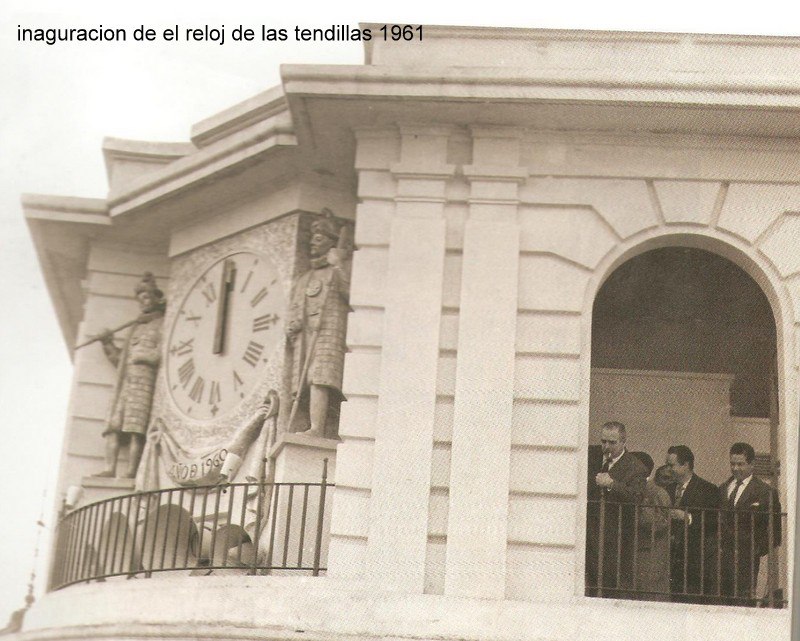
{"type": "Point", "coordinates": [499, 178]}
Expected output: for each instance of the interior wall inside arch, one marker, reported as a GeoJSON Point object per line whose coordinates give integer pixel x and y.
{"type": "Point", "coordinates": [684, 310]}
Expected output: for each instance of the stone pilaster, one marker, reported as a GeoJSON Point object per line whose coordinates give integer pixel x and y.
{"type": "Point", "coordinates": [398, 532]}
{"type": "Point", "coordinates": [484, 396]}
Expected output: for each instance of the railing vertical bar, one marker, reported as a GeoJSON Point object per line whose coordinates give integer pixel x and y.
{"type": "Point", "coordinates": [685, 552]}
{"type": "Point", "coordinates": [89, 547]}
{"type": "Point", "coordinates": [770, 557]}
{"type": "Point", "coordinates": [751, 589]}
{"type": "Point", "coordinates": [719, 553]}
{"type": "Point", "coordinates": [243, 516]}
{"type": "Point", "coordinates": [303, 516]}
{"type": "Point", "coordinates": [215, 525]}
{"type": "Point", "coordinates": [77, 524]}
{"type": "Point", "coordinates": [601, 546]}
{"type": "Point", "coordinates": [262, 489]}
{"type": "Point", "coordinates": [192, 496]}
{"type": "Point", "coordinates": [82, 544]}
{"type": "Point", "coordinates": [735, 556]}
{"type": "Point", "coordinates": [60, 551]}
{"type": "Point", "coordinates": [107, 562]}
{"type": "Point", "coordinates": [653, 535]}
{"type": "Point", "coordinates": [703, 551]}
{"type": "Point", "coordinates": [91, 559]}
{"type": "Point", "coordinates": [288, 525]}
{"type": "Point", "coordinates": [166, 529]}
{"type": "Point", "coordinates": [66, 527]}
{"type": "Point", "coordinates": [619, 548]}
{"type": "Point", "coordinates": [202, 528]}
{"type": "Point", "coordinates": [636, 515]}
{"type": "Point", "coordinates": [97, 540]}
{"type": "Point", "coordinates": [226, 548]}
{"type": "Point", "coordinates": [133, 569]}
{"type": "Point", "coordinates": [154, 531]}
{"type": "Point", "coordinates": [64, 535]}
{"type": "Point", "coordinates": [57, 568]}
{"type": "Point", "coordinates": [217, 501]}
{"type": "Point", "coordinates": [178, 534]}
{"type": "Point", "coordinates": [320, 516]}
{"type": "Point", "coordinates": [125, 512]}
{"type": "Point", "coordinates": [274, 515]}
{"type": "Point", "coordinates": [85, 546]}
{"type": "Point", "coordinates": [110, 566]}
{"type": "Point", "coordinates": [58, 575]}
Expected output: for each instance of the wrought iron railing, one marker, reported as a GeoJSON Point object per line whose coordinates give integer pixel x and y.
{"type": "Point", "coordinates": [245, 528]}
{"type": "Point", "coordinates": [698, 555]}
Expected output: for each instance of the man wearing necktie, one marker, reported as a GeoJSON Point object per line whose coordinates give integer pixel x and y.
{"type": "Point", "coordinates": [747, 502]}
{"type": "Point", "coordinates": [616, 484]}
{"type": "Point", "coordinates": [693, 532]}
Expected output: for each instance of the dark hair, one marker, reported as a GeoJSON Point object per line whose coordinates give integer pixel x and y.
{"type": "Point", "coordinates": [616, 425]}
{"type": "Point", "coordinates": [663, 476]}
{"type": "Point", "coordinates": [744, 448]}
{"type": "Point", "coordinates": [683, 454]}
{"type": "Point", "coordinates": [646, 460]}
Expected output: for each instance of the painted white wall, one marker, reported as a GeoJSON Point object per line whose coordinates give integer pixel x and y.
{"type": "Point", "coordinates": [660, 409]}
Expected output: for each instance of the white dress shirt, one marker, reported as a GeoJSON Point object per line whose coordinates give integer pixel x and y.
{"type": "Point", "coordinates": [742, 487]}
{"type": "Point", "coordinates": [613, 461]}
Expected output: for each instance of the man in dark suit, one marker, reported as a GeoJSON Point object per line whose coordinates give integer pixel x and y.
{"type": "Point", "coordinates": [750, 506]}
{"type": "Point", "coordinates": [615, 487]}
{"type": "Point", "coordinates": [693, 530]}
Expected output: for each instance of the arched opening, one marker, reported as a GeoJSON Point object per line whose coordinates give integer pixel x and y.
{"type": "Point", "coordinates": [684, 353]}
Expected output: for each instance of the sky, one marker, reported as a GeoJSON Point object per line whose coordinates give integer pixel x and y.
{"type": "Point", "coordinates": [58, 102]}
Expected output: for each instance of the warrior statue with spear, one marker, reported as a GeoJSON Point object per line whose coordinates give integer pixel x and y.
{"type": "Point", "coordinates": [137, 363]}
{"type": "Point", "coordinates": [318, 323]}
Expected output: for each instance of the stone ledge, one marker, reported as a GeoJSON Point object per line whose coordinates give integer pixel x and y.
{"type": "Point", "coordinates": [335, 610]}
{"type": "Point", "coordinates": [108, 483]}
{"type": "Point", "coordinates": [303, 440]}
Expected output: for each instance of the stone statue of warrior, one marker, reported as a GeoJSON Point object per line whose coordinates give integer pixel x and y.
{"type": "Point", "coordinates": [137, 365]}
{"type": "Point", "coordinates": [318, 324]}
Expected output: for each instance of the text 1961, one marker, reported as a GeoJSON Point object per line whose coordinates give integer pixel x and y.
{"type": "Point", "coordinates": [399, 32]}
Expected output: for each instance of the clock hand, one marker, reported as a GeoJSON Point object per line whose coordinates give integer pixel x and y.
{"type": "Point", "coordinates": [226, 287]}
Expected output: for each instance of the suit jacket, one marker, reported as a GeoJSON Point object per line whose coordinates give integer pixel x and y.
{"type": "Point", "coordinates": [628, 473]}
{"type": "Point", "coordinates": [629, 476]}
{"type": "Point", "coordinates": [700, 497]}
{"type": "Point", "coordinates": [751, 513]}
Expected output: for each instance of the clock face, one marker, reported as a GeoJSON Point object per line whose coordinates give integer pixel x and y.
{"type": "Point", "coordinates": [223, 334]}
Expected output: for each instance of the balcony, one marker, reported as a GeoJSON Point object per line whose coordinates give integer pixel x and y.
{"type": "Point", "coordinates": [236, 528]}
{"type": "Point", "coordinates": [711, 556]}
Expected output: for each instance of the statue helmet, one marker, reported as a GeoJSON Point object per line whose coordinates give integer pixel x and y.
{"type": "Point", "coordinates": [325, 224]}
{"type": "Point", "coordinates": [148, 284]}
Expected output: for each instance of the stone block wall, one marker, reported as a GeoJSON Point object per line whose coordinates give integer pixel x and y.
{"type": "Point", "coordinates": [480, 251]}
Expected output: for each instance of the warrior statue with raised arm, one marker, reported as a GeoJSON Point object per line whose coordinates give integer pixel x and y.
{"type": "Point", "coordinates": [137, 364]}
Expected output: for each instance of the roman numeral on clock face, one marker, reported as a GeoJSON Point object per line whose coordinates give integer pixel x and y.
{"type": "Point", "coordinates": [209, 292]}
{"type": "Point", "coordinates": [214, 394]}
{"type": "Point", "coordinates": [191, 316]}
{"type": "Point", "coordinates": [262, 293]}
{"type": "Point", "coordinates": [264, 322]}
{"type": "Point", "coordinates": [237, 381]}
{"type": "Point", "coordinates": [182, 348]}
{"type": "Point", "coordinates": [186, 372]}
{"type": "Point", "coordinates": [252, 353]}
{"type": "Point", "coordinates": [196, 392]}
{"type": "Point", "coordinates": [246, 280]}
